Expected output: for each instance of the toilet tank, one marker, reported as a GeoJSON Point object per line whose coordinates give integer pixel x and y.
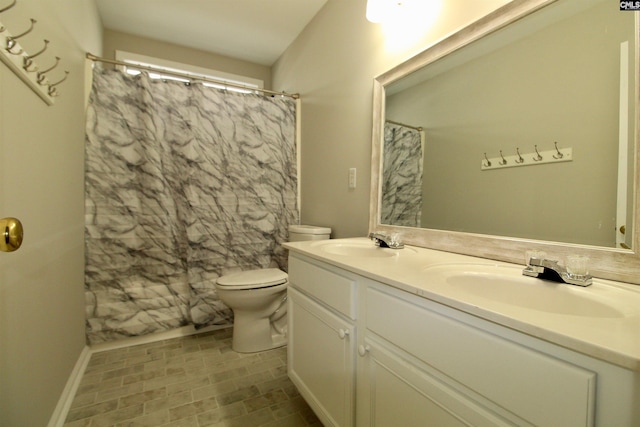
{"type": "Point", "coordinates": [298, 233]}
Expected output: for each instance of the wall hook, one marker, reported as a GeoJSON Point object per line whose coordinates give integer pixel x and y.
{"type": "Point", "coordinates": [52, 87]}
{"type": "Point", "coordinates": [41, 74]}
{"type": "Point", "coordinates": [11, 41]}
{"type": "Point", "coordinates": [28, 60]}
{"type": "Point", "coordinates": [538, 157]}
{"type": "Point", "coordinates": [488, 164]}
{"type": "Point", "coordinates": [4, 9]}
{"type": "Point", "coordinates": [503, 161]}
{"type": "Point", "coordinates": [559, 155]}
{"type": "Point", "coordinates": [519, 160]}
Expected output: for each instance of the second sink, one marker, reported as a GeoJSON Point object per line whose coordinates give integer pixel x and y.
{"type": "Point", "coordinates": [506, 285]}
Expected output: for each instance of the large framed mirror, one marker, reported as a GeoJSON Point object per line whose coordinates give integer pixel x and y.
{"type": "Point", "coordinates": [518, 132]}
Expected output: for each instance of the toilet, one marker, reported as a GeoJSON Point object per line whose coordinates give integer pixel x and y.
{"type": "Point", "coordinates": [258, 299]}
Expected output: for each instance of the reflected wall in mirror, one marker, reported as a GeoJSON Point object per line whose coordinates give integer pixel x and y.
{"type": "Point", "coordinates": [499, 104]}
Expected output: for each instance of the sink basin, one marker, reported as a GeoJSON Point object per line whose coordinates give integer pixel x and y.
{"type": "Point", "coordinates": [358, 249]}
{"type": "Point", "coordinates": [507, 285]}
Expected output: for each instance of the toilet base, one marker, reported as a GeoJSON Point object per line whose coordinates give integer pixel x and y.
{"type": "Point", "coordinates": [251, 335]}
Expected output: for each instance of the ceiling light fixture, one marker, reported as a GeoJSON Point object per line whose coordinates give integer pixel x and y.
{"type": "Point", "coordinates": [379, 10]}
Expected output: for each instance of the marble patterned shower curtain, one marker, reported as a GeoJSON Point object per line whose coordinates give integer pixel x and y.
{"type": "Point", "coordinates": [401, 202]}
{"type": "Point", "coordinates": [183, 183]}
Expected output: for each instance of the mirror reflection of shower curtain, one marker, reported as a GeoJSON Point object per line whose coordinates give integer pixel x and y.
{"type": "Point", "coordinates": [401, 199]}
{"type": "Point", "coordinates": [183, 183]}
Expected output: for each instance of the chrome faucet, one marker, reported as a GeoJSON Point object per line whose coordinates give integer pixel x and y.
{"type": "Point", "coordinates": [386, 241]}
{"type": "Point", "coordinates": [551, 270]}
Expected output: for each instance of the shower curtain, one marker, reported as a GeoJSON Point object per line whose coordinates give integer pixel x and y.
{"type": "Point", "coordinates": [401, 201]}
{"type": "Point", "coordinates": [183, 183]}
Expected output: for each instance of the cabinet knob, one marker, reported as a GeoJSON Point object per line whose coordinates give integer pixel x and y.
{"type": "Point", "coordinates": [342, 333]}
{"type": "Point", "coordinates": [363, 349]}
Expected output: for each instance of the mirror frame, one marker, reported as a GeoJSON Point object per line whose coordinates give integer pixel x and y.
{"type": "Point", "coordinates": [607, 263]}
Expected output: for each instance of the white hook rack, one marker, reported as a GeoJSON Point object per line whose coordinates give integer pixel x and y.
{"type": "Point", "coordinates": [23, 65]}
{"type": "Point", "coordinates": [557, 155]}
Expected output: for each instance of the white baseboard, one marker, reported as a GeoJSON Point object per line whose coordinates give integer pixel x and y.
{"type": "Point", "coordinates": [158, 336]}
{"type": "Point", "coordinates": [69, 392]}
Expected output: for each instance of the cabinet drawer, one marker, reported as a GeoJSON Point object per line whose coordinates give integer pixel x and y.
{"type": "Point", "coordinates": [534, 386]}
{"type": "Point", "coordinates": [333, 289]}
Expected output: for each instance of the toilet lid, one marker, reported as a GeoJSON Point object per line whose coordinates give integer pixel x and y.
{"type": "Point", "coordinates": [253, 279]}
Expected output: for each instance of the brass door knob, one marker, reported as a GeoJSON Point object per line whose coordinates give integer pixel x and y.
{"type": "Point", "coordinates": [10, 234]}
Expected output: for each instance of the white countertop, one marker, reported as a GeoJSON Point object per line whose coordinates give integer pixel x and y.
{"type": "Point", "coordinates": [601, 320]}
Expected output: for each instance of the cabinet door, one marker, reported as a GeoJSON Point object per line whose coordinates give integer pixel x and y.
{"type": "Point", "coordinates": [394, 392]}
{"type": "Point", "coordinates": [321, 359]}
{"type": "Point", "coordinates": [524, 382]}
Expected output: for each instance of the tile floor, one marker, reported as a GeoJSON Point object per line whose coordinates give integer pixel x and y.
{"type": "Point", "coordinates": [192, 381]}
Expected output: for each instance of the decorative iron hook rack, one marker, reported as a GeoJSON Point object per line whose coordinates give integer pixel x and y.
{"type": "Point", "coordinates": [536, 157]}
{"type": "Point", "coordinates": [23, 65]}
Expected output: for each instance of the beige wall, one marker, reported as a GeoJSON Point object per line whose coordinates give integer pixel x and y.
{"type": "Point", "coordinates": [41, 183]}
{"type": "Point", "coordinates": [114, 40]}
{"type": "Point", "coordinates": [332, 65]}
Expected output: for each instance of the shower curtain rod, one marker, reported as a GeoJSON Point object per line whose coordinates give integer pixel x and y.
{"type": "Point", "coordinates": [188, 76]}
{"type": "Point", "coordinates": [419, 129]}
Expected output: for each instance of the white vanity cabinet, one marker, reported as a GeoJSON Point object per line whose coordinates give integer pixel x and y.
{"type": "Point", "coordinates": [322, 338]}
{"type": "Point", "coordinates": [425, 365]}
{"type": "Point", "coordinates": [421, 363]}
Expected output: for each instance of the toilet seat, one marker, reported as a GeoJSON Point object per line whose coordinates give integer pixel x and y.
{"type": "Point", "coordinates": [252, 279]}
